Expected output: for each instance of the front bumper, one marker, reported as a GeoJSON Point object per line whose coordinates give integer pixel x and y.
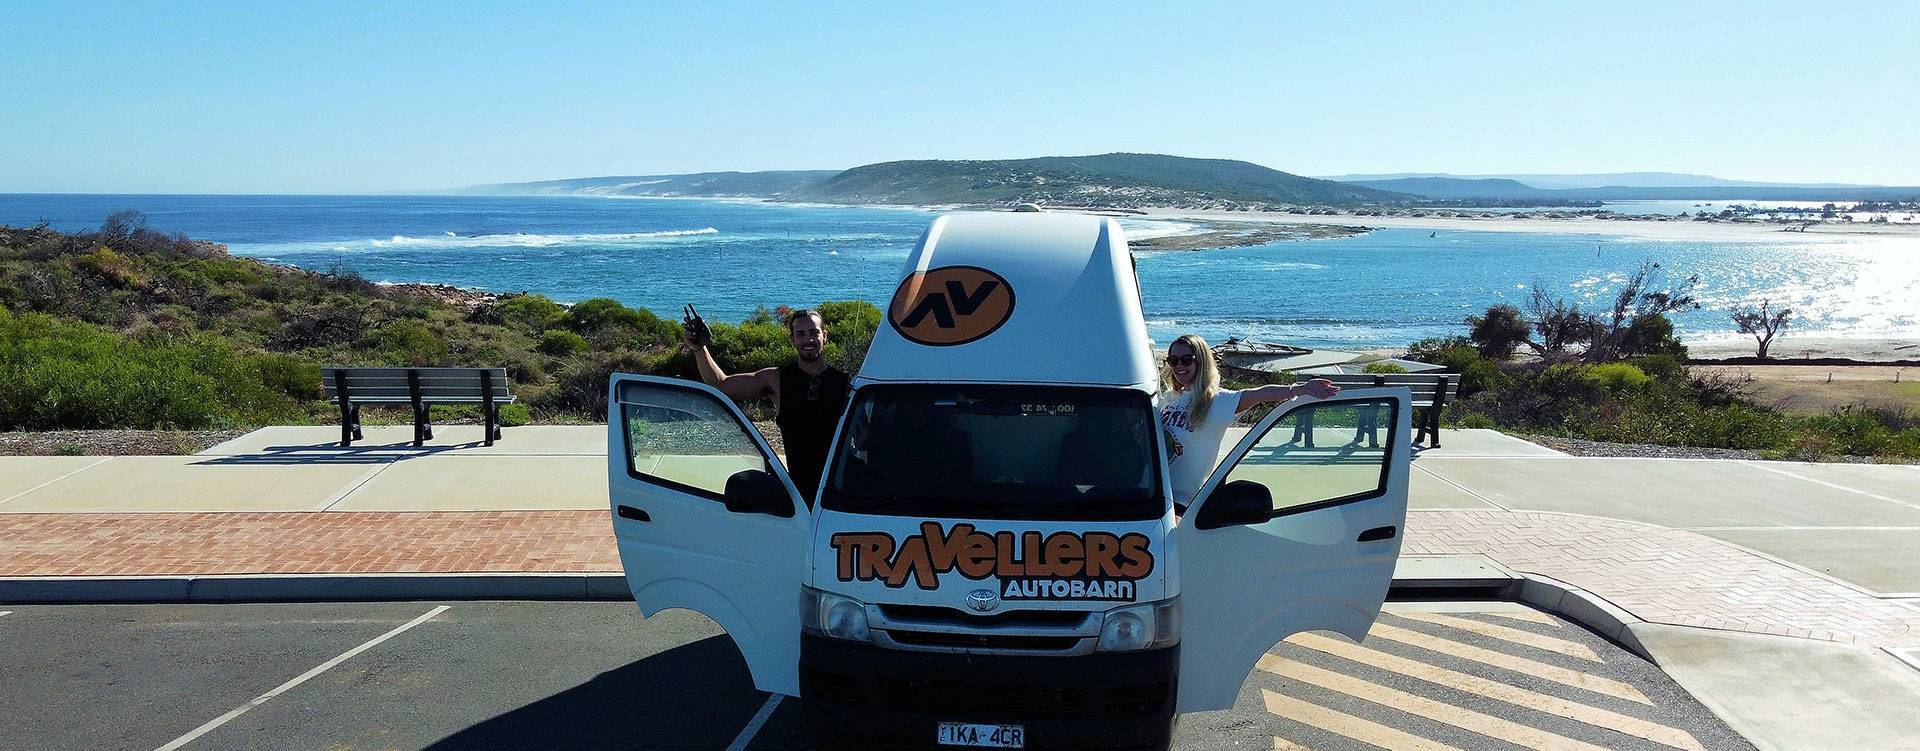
{"type": "Point", "coordinates": [863, 694]}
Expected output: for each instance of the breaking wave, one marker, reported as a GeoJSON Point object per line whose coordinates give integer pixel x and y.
{"type": "Point", "coordinates": [455, 241]}
{"type": "Point", "coordinates": [522, 240]}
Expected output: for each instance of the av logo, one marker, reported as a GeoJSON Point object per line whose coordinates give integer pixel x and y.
{"type": "Point", "coordinates": [950, 305]}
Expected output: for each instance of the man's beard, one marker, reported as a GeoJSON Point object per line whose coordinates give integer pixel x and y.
{"type": "Point", "coordinates": [806, 356]}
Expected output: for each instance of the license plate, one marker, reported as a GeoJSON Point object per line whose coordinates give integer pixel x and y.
{"type": "Point", "coordinates": [988, 736]}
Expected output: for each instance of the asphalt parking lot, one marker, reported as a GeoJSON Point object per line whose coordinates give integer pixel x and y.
{"type": "Point", "coordinates": [594, 675]}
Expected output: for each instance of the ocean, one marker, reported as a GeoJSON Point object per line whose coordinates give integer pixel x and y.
{"type": "Point", "coordinates": [1382, 289]}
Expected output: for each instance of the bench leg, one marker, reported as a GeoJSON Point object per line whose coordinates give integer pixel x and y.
{"type": "Point", "coordinates": [420, 431]}
{"type": "Point", "coordinates": [1303, 428]}
{"type": "Point", "coordinates": [349, 423]}
{"type": "Point", "coordinates": [491, 417]}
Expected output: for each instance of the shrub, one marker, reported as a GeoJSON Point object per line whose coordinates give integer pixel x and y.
{"type": "Point", "coordinates": [1651, 334]}
{"type": "Point", "coordinates": [528, 313]}
{"type": "Point", "coordinates": [1384, 368]}
{"type": "Point", "coordinates": [1616, 376]}
{"type": "Point", "coordinates": [515, 415]}
{"type": "Point", "coordinates": [1499, 332]}
{"type": "Point", "coordinates": [1664, 368]}
{"type": "Point", "coordinates": [407, 342]}
{"type": "Point", "coordinates": [560, 343]}
{"type": "Point", "coordinates": [1458, 355]}
{"type": "Point", "coordinates": [1474, 422]}
{"type": "Point", "coordinates": [56, 374]}
{"type": "Point", "coordinates": [289, 375]}
{"type": "Point", "coordinates": [608, 324]}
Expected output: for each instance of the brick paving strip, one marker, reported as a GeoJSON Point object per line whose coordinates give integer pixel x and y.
{"type": "Point", "coordinates": [1657, 574]}
{"type": "Point", "coordinates": [306, 543]}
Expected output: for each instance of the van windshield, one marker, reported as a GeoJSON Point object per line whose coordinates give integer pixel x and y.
{"type": "Point", "coordinates": [1002, 452]}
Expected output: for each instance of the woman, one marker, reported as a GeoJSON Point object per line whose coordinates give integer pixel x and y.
{"type": "Point", "coordinates": [1195, 411]}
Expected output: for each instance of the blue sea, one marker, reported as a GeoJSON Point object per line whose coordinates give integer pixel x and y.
{"type": "Point", "coordinates": [1382, 289]}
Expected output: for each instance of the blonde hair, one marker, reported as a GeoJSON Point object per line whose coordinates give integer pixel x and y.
{"type": "Point", "coordinates": [1206, 376]}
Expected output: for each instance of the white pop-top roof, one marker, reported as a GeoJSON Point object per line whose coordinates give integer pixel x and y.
{"type": "Point", "coordinates": [1067, 279]}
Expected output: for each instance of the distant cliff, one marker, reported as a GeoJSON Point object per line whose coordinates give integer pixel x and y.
{"type": "Point", "coordinates": [770, 184]}
{"type": "Point", "coordinates": [1111, 180]}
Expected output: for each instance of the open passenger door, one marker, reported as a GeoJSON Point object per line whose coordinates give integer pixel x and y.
{"type": "Point", "coordinates": [706, 519]}
{"type": "Point", "coordinates": [1291, 535]}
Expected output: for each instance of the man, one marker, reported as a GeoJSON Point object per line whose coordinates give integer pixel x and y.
{"type": "Point", "coordinates": [808, 394]}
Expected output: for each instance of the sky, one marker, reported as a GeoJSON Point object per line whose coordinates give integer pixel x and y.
{"type": "Point", "coordinates": [349, 97]}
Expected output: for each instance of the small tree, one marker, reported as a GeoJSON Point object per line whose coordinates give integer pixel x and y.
{"type": "Point", "coordinates": [1559, 323]}
{"type": "Point", "coordinates": [1499, 332]}
{"type": "Point", "coordinates": [1763, 323]}
{"type": "Point", "coordinates": [1637, 303]}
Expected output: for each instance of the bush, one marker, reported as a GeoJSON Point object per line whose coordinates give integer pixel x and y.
{"type": "Point", "coordinates": [1651, 334]}
{"type": "Point", "coordinates": [1499, 332]}
{"type": "Point", "coordinates": [515, 415]}
{"type": "Point", "coordinates": [1384, 368]}
{"type": "Point", "coordinates": [608, 324]}
{"type": "Point", "coordinates": [1616, 376]}
{"type": "Point", "coordinates": [407, 342]}
{"type": "Point", "coordinates": [560, 343]}
{"type": "Point", "coordinates": [1458, 355]}
{"type": "Point", "coordinates": [56, 375]}
{"type": "Point", "coordinates": [529, 313]}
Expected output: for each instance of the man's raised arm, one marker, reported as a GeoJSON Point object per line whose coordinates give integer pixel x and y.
{"type": "Point", "coordinates": [740, 386]}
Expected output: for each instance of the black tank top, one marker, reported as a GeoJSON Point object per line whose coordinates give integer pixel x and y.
{"type": "Point", "coordinates": [810, 408]}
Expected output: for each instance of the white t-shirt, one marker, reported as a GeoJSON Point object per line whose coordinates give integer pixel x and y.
{"type": "Point", "coordinates": [1193, 449]}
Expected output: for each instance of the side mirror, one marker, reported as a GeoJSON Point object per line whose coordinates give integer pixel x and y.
{"type": "Point", "coordinates": [753, 491]}
{"type": "Point", "coordinates": [1235, 503]}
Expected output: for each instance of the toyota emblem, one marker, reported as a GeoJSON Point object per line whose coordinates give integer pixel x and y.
{"type": "Point", "coordinates": [983, 600]}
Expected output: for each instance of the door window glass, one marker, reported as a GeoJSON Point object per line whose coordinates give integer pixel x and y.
{"type": "Point", "coordinates": [1322, 454]}
{"type": "Point", "coordinates": [685, 439]}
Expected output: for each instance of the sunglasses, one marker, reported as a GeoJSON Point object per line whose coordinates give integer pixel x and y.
{"type": "Point", "coordinates": [1182, 359]}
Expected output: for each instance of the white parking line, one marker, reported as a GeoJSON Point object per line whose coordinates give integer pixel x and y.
{"type": "Point", "coordinates": [1835, 486]}
{"type": "Point", "coordinates": [753, 726]}
{"type": "Point", "coordinates": [102, 460]}
{"type": "Point", "coordinates": [302, 678]}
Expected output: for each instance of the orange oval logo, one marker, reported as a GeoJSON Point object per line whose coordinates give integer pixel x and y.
{"type": "Point", "coordinates": [950, 305]}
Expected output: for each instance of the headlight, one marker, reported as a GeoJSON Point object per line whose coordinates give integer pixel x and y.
{"type": "Point", "coordinates": [1137, 627]}
{"type": "Point", "coordinates": [832, 615]}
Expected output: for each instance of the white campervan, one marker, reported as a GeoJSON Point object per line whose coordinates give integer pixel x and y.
{"type": "Point", "coordinates": [993, 557]}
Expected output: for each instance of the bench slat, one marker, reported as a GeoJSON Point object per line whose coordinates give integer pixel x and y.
{"type": "Point", "coordinates": [402, 372]}
{"type": "Point", "coordinates": [353, 382]}
{"type": "Point", "coordinates": [425, 392]}
{"type": "Point", "coordinates": [403, 399]}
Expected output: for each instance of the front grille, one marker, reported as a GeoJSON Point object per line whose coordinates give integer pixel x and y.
{"type": "Point", "coordinates": [970, 696]}
{"type": "Point", "coordinates": [983, 641]}
{"type": "Point", "coordinates": [937, 614]}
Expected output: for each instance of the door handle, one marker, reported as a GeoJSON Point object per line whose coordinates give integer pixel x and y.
{"type": "Point", "coordinates": [1371, 535]}
{"type": "Point", "coordinates": [629, 512]}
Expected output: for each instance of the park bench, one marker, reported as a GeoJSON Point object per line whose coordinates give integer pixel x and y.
{"type": "Point", "coordinates": [1431, 393]}
{"type": "Point", "coordinates": [419, 388]}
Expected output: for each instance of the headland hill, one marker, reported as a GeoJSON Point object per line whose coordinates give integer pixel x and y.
{"type": "Point", "coordinates": [1238, 203]}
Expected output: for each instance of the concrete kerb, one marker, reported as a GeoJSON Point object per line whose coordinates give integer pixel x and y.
{"type": "Point", "coordinates": [1585, 608]}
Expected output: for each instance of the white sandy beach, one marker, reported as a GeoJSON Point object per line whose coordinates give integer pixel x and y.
{"type": "Point", "coordinates": [1638, 228]}
{"type": "Point", "coordinates": [1789, 347]}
